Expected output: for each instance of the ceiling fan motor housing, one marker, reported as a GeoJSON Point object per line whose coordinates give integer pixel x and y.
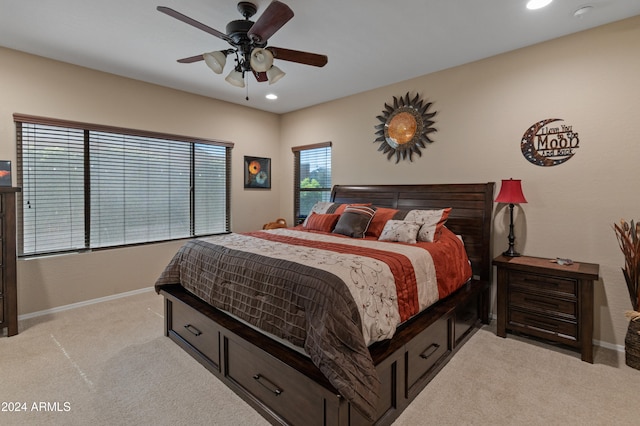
{"type": "Point", "coordinates": [247, 9]}
{"type": "Point", "coordinates": [237, 30]}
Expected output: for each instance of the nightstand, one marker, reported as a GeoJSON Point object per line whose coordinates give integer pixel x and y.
{"type": "Point", "coordinates": [543, 299]}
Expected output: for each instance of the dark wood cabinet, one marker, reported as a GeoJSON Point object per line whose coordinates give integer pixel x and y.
{"type": "Point", "coordinates": [544, 299]}
{"type": "Point", "coordinates": [8, 290]}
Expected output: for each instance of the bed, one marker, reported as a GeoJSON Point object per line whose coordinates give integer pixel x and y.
{"type": "Point", "coordinates": [302, 363]}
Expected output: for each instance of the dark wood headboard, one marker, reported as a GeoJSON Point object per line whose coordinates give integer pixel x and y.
{"type": "Point", "coordinates": [471, 214]}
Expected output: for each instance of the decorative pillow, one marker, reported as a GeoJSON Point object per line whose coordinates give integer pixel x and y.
{"type": "Point", "coordinates": [340, 208]}
{"type": "Point", "coordinates": [321, 222]}
{"type": "Point", "coordinates": [354, 221]}
{"type": "Point", "coordinates": [432, 222]}
{"type": "Point", "coordinates": [381, 217]}
{"type": "Point", "coordinates": [323, 207]}
{"type": "Point", "coordinates": [319, 207]}
{"type": "Point", "coordinates": [400, 230]}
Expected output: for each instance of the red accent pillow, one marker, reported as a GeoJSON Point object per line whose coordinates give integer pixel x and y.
{"type": "Point", "coordinates": [322, 222]}
{"type": "Point", "coordinates": [380, 219]}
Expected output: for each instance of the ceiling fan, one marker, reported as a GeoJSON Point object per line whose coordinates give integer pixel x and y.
{"type": "Point", "coordinates": [248, 42]}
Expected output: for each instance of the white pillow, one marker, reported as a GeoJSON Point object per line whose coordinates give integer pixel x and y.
{"type": "Point", "coordinates": [432, 222]}
{"type": "Point", "coordinates": [400, 231]}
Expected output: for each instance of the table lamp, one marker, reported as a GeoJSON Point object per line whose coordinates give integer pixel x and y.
{"type": "Point", "coordinates": [511, 193]}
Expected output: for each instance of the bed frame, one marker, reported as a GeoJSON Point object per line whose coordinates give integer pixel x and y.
{"type": "Point", "coordinates": [285, 387]}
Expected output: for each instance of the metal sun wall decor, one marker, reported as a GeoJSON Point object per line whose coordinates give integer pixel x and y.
{"type": "Point", "coordinates": [404, 127]}
{"type": "Point", "coordinates": [547, 146]}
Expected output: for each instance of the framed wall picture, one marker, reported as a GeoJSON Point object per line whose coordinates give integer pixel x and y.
{"type": "Point", "coordinates": [5, 173]}
{"type": "Point", "coordinates": [257, 172]}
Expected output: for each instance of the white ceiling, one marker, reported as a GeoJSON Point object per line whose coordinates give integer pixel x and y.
{"type": "Point", "coordinates": [370, 44]}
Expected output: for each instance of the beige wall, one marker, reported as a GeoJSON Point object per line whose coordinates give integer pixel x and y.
{"type": "Point", "coordinates": [591, 80]}
{"type": "Point", "coordinates": [37, 86]}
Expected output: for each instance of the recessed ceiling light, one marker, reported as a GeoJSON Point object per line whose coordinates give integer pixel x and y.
{"type": "Point", "coordinates": [537, 4]}
{"type": "Point", "coordinates": [271, 96]}
{"type": "Point", "coordinates": [580, 12]}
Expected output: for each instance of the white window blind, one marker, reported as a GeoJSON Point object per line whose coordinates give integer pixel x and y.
{"type": "Point", "coordinates": [51, 173]}
{"type": "Point", "coordinates": [139, 189]}
{"type": "Point", "coordinates": [312, 180]}
{"type": "Point", "coordinates": [212, 177]}
{"type": "Point", "coordinates": [91, 188]}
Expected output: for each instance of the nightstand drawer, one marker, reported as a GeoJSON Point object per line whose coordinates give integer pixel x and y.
{"type": "Point", "coordinates": [543, 283]}
{"type": "Point", "coordinates": [541, 325]}
{"type": "Point", "coordinates": [543, 304]}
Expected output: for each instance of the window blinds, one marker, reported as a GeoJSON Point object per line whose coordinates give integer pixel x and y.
{"type": "Point", "coordinates": [91, 188]}
{"type": "Point", "coordinates": [312, 178]}
{"type": "Point", "coordinates": [51, 172]}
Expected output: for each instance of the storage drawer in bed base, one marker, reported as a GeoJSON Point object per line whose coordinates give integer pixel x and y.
{"type": "Point", "coordinates": [193, 332]}
{"type": "Point", "coordinates": [286, 388]}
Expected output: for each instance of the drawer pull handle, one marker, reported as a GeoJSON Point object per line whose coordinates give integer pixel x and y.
{"type": "Point", "coordinates": [533, 280]}
{"type": "Point", "coordinates": [270, 386]}
{"type": "Point", "coordinates": [432, 349]}
{"type": "Point", "coordinates": [544, 324]}
{"type": "Point", "coordinates": [193, 330]}
{"type": "Point", "coordinates": [541, 302]}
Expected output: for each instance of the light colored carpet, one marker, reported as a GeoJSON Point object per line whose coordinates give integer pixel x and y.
{"type": "Point", "coordinates": [109, 364]}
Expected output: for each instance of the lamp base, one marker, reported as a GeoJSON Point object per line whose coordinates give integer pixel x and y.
{"type": "Point", "coordinates": [511, 253]}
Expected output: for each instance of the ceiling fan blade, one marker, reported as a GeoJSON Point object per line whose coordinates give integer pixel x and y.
{"type": "Point", "coordinates": [184, 18]}
{"type": "Point", "coordinates": [272, 19]}
{"type": "Point", "coordinates": [300, 57]}
{"type": "Point", "coordinates": [260, 76]}
{"type": "Point", "coordinates": [191, 59]}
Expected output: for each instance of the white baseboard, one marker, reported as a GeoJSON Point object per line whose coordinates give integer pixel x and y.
{"type": "Point", "coordinates": [607, 345]}
{"type": "Point", "coordinates": [84, 303]}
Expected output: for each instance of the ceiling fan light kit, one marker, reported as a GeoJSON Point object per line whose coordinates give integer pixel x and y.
{"type": "Point", "coordinates": [261, 59]}
{"type": "Point", "coordinates": [274, 74]}
{"type": "Point", "coordinates": [235, 78]}
{"type": "Point", "coordinates": [215, 61]}
{"type": "Point", "coordinates": [248, 40]}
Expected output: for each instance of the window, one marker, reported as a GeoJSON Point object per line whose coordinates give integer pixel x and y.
{"type": "Point", "coordinates": [312, 180]}
{"type": "Point", "coordinates": [87, 186]}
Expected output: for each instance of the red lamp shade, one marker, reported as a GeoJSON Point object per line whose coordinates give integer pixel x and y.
{"type": "Point", "coordinates": [511, 192]}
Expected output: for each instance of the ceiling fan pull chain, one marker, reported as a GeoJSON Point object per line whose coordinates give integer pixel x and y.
{"type": "Point", "coordinates": [246, 84]}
